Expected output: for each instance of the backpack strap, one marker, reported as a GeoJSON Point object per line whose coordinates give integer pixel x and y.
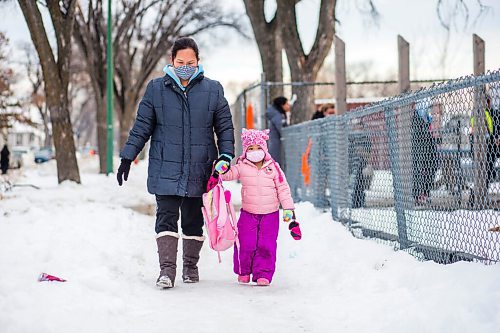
{"type": "Point", "coordinates": [235, 228]}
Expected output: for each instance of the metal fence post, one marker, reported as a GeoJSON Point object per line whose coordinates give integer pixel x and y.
{"type": "Point", "coordinates": [397, 177]}
{"type": "Point", "coordinates": [339, 189]}
{"type": "Point", "coordinates": [402, 161]}
{"type": "Point", "coordinates": [263, 103]}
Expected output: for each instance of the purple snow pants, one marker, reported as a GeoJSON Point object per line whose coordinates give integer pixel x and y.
{"type": "Point", "coordinates": [257, 254]}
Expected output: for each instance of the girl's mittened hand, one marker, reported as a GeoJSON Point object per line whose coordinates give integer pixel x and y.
{"type": "Point", "coordinates": [295, 231]}
{"type": "Point", "coordinates": [288, 215]}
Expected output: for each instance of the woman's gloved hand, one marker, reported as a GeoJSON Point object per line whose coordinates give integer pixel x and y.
{"type": "Point", "coordinates": [123, 170]}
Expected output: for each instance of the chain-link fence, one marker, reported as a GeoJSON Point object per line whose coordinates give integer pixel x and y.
{"type": "Point", "coordinates": [249, 110]}
{"type": "Point", "coordinates": [418, 170]}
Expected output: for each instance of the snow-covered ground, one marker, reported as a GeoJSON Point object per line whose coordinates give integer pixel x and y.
{"type": "Point", "coordinates": [327, 282]}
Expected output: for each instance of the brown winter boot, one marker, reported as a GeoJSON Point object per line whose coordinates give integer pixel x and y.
{"type": "Point", "coordinates": [191, 247]}
{"type": "Point", "coordinates": [167, 254]}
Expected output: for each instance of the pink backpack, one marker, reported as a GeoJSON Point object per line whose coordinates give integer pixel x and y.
{"type": "Point", "coordinates": [220, 219]}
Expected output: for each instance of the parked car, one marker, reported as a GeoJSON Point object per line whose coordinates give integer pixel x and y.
{"type": "Point", "coordinates": [44, 155]}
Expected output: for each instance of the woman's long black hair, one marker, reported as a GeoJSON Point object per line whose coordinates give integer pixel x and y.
{"type": "Point", "coordinates": [185, 43]}
{"type": "Point", "coordinates": [278, 103]}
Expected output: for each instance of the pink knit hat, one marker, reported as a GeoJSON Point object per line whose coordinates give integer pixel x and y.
{"type": "Point", "coordinates": [250, 137]}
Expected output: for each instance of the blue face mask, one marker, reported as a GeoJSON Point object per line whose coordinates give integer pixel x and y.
{"type": "Point", "coordinates": [185, 72]}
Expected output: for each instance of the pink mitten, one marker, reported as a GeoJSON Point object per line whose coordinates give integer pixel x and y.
{"type": "Point", "coordinates": [212, 182]}
{"type": "Point", "coordinates": [294, 228]}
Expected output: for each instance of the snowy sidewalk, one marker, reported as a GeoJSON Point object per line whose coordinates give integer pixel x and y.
{"type": "Point", "coordinates": [327, 282]}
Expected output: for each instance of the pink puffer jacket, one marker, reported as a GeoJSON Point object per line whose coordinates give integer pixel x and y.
{"type": "Point", "coordinates": [262, 190]}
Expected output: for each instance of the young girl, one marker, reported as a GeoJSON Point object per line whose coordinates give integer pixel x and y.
{"type": "Point", "coordinates": [264, 187]}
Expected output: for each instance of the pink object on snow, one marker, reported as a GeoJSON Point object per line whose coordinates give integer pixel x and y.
{"type": "Point", "coordinates": [48, 277]}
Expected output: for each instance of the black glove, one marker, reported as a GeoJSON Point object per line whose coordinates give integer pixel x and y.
{"type": "Point", "coordinates": [123, 171]}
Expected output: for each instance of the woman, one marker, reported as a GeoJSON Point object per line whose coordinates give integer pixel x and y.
{"type": "Point", "coordinates": [180, 113]}
{"type": "Point", "coordinates": [276, 116]}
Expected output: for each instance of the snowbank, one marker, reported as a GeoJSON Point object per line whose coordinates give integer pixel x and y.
{"type": "Point", "coordinates": [329, 281]}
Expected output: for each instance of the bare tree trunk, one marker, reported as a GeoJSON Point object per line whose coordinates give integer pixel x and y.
{"type": "Point", "coordinates": [272, 63]}
{"type": "Point", "coordinates": [67, 167]}
{"type": "Point", "coordinates": [46, 130]}
{"type": "Point", "coordinates": [304, 107]}
{"type": "Point", "coordinates": [101, 120]}
{"type": "Point", "coordinates": [56, 77]}
{"type": "Point", "coordinates": [306, 67]}
{"type": "Point", "coordinates": [268, 37]}
{"type": "Point", "coordinates": [90, 36]}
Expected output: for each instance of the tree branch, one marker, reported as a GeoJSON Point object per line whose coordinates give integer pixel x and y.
{"type": "Point", "coordinates": [324, 35]}
{"type": "Point", "coordinates": [39, 35]}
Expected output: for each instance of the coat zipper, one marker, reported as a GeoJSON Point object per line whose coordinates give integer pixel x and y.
{"type": "Point", "coordinates": [187, 115]}
{"type": "Point", "coordinates": [185, 97]}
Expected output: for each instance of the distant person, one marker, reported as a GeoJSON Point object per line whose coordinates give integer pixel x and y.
{"type": "Point", "coordinates": [425, 158]}
{"type": "Point", "coordinates": [492, 119]}
{"type": "Point", "coordinates": [326, 110]}
{"type": "Point", "coordinates": [180, 112]}
{"type": "Point", "coordinates": [4, 159]}
{"type": "Point", "coordinates": [276, 116]}
{"type": "Point", "coordinates": [361, 173]}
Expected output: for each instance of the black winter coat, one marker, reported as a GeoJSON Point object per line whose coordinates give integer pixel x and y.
{"type": "Point", "coordinates": [181, 126]}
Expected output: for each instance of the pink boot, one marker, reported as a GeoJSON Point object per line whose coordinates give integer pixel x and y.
{"type": "Point", "coordinates": [262, 282]}
{"type": "Point", "coordinates": [243, 278]}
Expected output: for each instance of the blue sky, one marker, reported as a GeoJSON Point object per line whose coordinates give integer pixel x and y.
{"type": "Point", "coordinates": [235, 61]}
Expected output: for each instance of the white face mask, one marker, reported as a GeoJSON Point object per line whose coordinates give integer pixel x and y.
{"type": "Point", "coordinates": [255, 156]}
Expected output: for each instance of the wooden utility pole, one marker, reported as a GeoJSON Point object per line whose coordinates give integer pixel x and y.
{"type": "Point", "coordinates": [340, 77]}
{"type": "Point", "coordinates": [480, 130]}
{"type": "Point", "coordinates": [403, 65]}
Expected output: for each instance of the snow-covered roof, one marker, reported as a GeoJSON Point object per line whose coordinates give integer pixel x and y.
{"type": "Point", "coordinates": [18, 127]}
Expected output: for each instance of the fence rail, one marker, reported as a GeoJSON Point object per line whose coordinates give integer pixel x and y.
{"type": "Point", "coordinates": [417, 170]}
